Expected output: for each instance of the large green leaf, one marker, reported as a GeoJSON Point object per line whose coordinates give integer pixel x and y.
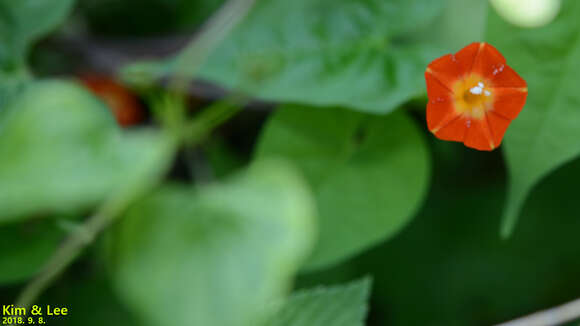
{"type": "Point", "coordinates": [24, 21]}
{"type": "Point", "coordinates": [61, 150]}
{"type": "Point", "coordinates": [546, 133]}
{"type": "Point", "coordinates": [218, 255]}
{"type": "Point", "coordinates": [324, 52]}
{"type": "Point", "coordinates": [461, 23]}
{"type": "Point", "coordinates": [21, 23]}
{"type": "Point", "coordinates": [369, 173]}
{"type": "Point", "coordinates": [10, 86]}
{"type": "Point", "coordinates": [344, 305]}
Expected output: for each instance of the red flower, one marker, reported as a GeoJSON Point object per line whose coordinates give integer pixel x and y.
{"type": "Point", "coordinates": [473, 96]}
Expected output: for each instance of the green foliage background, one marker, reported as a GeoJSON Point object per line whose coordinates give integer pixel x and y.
{"type": "Point", "coordinates": [323, 201]}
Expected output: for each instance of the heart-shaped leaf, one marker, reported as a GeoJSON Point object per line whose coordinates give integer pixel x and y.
{"type": "Point", "coordinates": [369, 173]}
{"type": "Point", "coordinates": [218, 255]}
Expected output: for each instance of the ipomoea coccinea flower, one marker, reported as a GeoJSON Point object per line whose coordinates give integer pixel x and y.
{"type": "Point", "coordinates": [473, 96]}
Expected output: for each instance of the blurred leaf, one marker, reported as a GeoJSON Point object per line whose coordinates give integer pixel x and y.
{"type": "Point", "coordinates": [546, 133]}
{"type": "Point", "coordinates": [23, 22]}
{"type": "Point", "coordinates": [109, 17]}
{"type": "Point", "coordinates": [88, 294]}
{"type": "Point", "coordinates": [461, 23]}
{"type": "Point", "coordinates": [344, 305]}
{"type": "Point", "coordinates": [217, 255]}
{"type": "Point", "coordinates": [25, 248]}
{"type": "Point", "coordinates": [62, 150]}
{"type": "Point", "coordinates": [323, 52]}
{"type": "Point", "coordinates": [194, 13]}
{"type": "Point", "coordinates": [369, 173]}
{"type": "Point", "coordinates": [10, 86]}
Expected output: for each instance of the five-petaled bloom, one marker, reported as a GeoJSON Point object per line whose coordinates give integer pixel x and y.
{"type": "Point", "coordinates": [473, 96]}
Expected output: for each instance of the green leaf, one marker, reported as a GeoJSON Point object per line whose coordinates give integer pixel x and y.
{"type": "Point", "coordinates": [546, 133]}
{"type": "Point", "coordinates": [61, 150]}
{"type": "Point", "coordinates": [369, 173]}
{"type": "Point", "coordinates": [461, 23]}
{"type": "Point", "coordinates": [10, 87]}
{"type": "Point", "coordinates": [344, 305]}
{"type": "Point", "coordinates": [25, 248]}
{"type": "Point", "coordinates": [323, 52]}
{"type": "Point", "coordinates": [217, 255]}
{"type": "Point", "coordinates": [222, 158]}
{"type": "Point", "coordinates": [23, 22]}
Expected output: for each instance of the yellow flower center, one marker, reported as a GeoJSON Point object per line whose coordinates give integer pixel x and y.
{"type": "Point", "coordinates": [473, 96]}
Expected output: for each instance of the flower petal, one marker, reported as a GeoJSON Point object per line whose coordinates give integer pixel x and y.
{"type": "Point", "coordinates": [445, 70]}
{"type": "Point", "coordinates": [440, 106]}
{"type": "Point", "coordinates": [508, 102]}
{"type": "Point", "coordinates": [453, 130]}
{"type": "Point", "coordinates": [439, 114]}
{"type": "Point", "coordinates": [436, 90]}
{"type": "Point", "coordinates": [488, 62]}
{"type": "Point", "coordinates": [507, 77]}
{"type": "Point", "coordinates": [466, 57]}
{"type": "Point", "coordinates": [498, 126]}
{"type": "Point", "coordinates": [479, 135]}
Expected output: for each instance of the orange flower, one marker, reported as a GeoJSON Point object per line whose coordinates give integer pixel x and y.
{"type": "Point", "coordinates": [473, 96]}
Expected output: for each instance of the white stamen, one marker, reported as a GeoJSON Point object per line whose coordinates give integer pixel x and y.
{"type": "Point", "coordinates": [476, 90]}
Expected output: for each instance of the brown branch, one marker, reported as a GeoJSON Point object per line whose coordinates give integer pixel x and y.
{"type": "Point", "coordinates": [550, 317]}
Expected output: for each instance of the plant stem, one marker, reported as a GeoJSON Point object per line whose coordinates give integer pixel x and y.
{"type": "Point", "coordinates": [550, 317]}
{"type": "Point", "coordinates": [209, 37]}
{"type": "Point", "coordinates": [211, 117]}
{"type": "Point", "coordinates": [145, 181]}
{"type": "Point", "coordinates": [212, 33]}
